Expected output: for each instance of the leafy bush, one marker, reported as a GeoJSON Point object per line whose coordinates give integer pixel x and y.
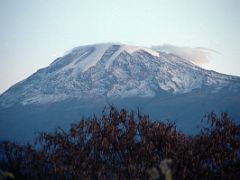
{"type": "Point", "coordinates": [124, 145]}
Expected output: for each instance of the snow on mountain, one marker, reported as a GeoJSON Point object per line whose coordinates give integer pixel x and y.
{"type": "Point", "coordinates": [114, 70]}
{"type": "Point", "coordinates": [87, 78]}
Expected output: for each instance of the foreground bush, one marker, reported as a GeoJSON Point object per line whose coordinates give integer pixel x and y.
{"type": "Point", "coordinates": [123, 145]}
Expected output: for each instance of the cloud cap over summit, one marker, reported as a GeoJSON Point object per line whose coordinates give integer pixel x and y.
{"type": "Point", "coordinates": [197, 55]}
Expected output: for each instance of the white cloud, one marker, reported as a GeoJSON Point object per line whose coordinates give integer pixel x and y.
{"type": "Point", "coordinates": [197, 55]}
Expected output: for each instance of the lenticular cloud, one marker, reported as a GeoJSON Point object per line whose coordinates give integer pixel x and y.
{"type": "Point", "coordinates": [197, 55]}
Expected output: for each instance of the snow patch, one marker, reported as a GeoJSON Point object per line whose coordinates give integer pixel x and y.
{"type": "Point", "coordinates": [93, 58]}
{"type": "Point", "coordinates": [130, 49]}
{"type": "Point", "coordinates": [100, 49]}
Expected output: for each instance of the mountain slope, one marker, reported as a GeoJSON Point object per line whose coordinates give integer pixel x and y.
{"type": "Point", "coordinates": [89, 77]}
{"type": "Point", "coordinates": [114, 70]}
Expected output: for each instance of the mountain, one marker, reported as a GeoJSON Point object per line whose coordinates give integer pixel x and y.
{"type": "Point", "coordinates": [89, 77]}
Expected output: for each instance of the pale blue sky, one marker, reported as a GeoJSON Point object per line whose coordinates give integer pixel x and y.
{"type": "Point", "coordinates": [34, 33]}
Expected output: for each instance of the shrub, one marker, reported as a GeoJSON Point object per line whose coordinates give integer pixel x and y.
{"type": "Point", "coordinates": [124, 145]}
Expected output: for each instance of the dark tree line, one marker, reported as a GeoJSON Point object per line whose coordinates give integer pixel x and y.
{"type": "Point", "coordinates": [124, 145]}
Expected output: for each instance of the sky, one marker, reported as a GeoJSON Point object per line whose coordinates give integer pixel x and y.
{"type": "Point", "coordinates": [33, 33]}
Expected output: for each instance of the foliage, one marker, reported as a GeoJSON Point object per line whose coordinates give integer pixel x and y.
{"type": "Point", "coordinates": [124, 145]}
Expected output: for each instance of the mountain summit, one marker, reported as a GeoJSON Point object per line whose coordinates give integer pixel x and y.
{"type": "Point", "coordinates": [115, 71]}
{"type": "Point", "coordinates": [89, 77]}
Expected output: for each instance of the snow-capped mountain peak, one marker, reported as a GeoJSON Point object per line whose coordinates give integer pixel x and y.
{"type": "Point", "coordinates": [87, 78]}
{"type": "Point", "coordinates": [116, 71]}
{"type": "Point", "coordinates": [88, 56]}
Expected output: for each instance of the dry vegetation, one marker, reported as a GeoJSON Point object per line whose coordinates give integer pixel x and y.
{"type": "Point", "coordinates": [124, 145]}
